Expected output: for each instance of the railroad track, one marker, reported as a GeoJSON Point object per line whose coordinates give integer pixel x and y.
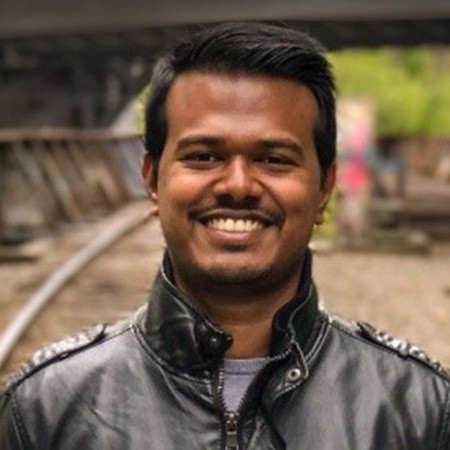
{"type": "Point", "coordinates": [99, 273]}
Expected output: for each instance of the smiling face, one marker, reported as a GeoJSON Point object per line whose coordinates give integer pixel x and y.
{"type": "Point", "coordinates": [238, 185]}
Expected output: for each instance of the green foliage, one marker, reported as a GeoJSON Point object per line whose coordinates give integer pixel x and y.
{"type": "Point", "coordinates": [139, 108]}
{"type": "Point", "coordinates": [411, 91]}
{"type": "Point", "coordinates": [437, 120]}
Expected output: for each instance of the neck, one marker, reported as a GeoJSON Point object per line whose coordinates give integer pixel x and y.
{"type": "Point", "coordinates": [248, 319]}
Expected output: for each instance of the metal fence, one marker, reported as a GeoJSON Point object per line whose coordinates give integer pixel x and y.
{"type": "Point", "coordinates": [57, 176]}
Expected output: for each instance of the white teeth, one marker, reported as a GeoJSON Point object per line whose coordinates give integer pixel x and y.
{"type": "Point", "coordinates": [236, 226]}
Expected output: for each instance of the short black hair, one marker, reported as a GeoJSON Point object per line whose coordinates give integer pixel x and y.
{"type": "Point", "coordinates": [248, 48]}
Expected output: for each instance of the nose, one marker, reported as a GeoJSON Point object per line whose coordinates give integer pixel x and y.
{"type": "Point", "coordinates": [238, 180]}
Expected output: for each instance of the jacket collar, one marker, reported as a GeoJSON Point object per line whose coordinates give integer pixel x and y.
{"type": "Point", "coordinates": [184, 339]}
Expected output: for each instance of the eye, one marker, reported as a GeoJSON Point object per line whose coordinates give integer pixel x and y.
{"type": "Point", "coordinates": [275, 159]}
{"type": "Point", "coordinates": [277, 162]}
{"type": "Point", "coordinates": [201, 159]}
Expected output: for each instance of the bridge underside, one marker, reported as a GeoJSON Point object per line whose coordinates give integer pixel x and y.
{"type": "Point", "coordinates": [86, 79]}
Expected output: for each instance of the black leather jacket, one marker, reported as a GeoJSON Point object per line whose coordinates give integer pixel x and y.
{"type": "Point", "coordinates": [154, 383]}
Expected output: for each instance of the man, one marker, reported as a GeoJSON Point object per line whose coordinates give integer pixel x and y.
{"type": "Point", "coordinates": [232, 351]}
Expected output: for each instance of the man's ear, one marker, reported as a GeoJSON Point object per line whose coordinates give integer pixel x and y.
{"type": "Point", "coordinates": [326, 190]}
{"type": "Point", "coordinates": [148, 175]}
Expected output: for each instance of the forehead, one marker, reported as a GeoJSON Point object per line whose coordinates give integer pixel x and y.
{"type": "Point", "coordinates": [194, 95]}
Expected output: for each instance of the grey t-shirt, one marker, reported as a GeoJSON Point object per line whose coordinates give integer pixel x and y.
{"type": "Point", "coordinates": [238, 374]}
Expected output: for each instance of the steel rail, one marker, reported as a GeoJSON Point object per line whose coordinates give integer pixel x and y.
{"type": "Point", "coordinates": [121, 223]}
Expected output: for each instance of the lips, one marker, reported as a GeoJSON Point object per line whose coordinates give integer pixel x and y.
{"type": "Point", "coordinates": [233, 225]}
{"type": "Point", "coordinates": [237, 220]}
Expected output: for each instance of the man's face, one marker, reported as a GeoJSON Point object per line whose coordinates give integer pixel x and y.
{"type": "Point", "coordinates": [238, 185]}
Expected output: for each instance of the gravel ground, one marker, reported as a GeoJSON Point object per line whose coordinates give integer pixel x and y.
{"type": "Point", "coordinates": [405, 295]}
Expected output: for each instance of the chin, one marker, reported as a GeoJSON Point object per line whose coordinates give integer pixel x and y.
{"type": "Point", "coordinates": [233, 270]}
{"type": "Point", "coordinates": [237, 275]}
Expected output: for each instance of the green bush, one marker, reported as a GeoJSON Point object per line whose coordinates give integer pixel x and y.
{"type": "Point", "coordinates": [410, 89]}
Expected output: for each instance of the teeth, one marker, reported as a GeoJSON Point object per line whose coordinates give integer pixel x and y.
{"type": "Point", "coordinates": [236, 226]}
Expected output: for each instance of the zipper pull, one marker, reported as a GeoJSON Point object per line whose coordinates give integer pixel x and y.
{"type": "Point", "coordinates": [231, 420]}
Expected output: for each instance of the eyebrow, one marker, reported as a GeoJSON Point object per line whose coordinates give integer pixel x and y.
{"type": "Point", "coordinates": [263, 144]}
{"type": "Point", "coordinates": [187, 141]}
{"type": "Point", "coordinates": [290, 144]}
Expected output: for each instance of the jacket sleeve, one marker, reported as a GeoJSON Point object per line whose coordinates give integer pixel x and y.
{"type": "Point", "coordinates": [9, 426]}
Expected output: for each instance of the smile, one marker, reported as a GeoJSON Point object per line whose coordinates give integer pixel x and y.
{"type": "Point", "coordinates": [234, 226]}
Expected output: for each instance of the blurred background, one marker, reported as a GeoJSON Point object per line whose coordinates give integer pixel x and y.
{"type": "Point", "coordinates": [73, 81]}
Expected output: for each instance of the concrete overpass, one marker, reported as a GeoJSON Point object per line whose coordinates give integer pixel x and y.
{"type": "Point", "coordinates": [66, 63]}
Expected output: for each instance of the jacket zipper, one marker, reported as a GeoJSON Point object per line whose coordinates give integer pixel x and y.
{"type": "Point", "coordinates": [231, 424]}
{"type": "Point", "coordinates": [231, 418]}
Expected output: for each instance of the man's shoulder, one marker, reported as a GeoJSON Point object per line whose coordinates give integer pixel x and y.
{"type": "Point", "coordinates": [401, 346]}
{"type": "Point", "coordinates": [381, 341]}
{"type": "Point", "coordinates": [81, 351]}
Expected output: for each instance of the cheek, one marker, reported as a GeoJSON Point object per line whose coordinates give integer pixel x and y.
{"type": "Point", "coordinates": [171, 186]}
{"type": "Point", "coordinates": [177, 193]}
{"type": "Point", "coordinates": [301, 205]}
{"type": "Point", "coordinates": [298, 195]}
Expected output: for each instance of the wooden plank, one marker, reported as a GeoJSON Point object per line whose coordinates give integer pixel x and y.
{"type": "Point", "coordinates": [98, 159]}
{"type": "Point", "coordinates": [89, 179]}
{"type": "Point", "coordinates": [60, 187]}
{"type": "Point", "coordinates": [79, 192]}
{"type": "Point", "coordinates": [129, 153]}
{"type": "Point", "coordinates": [105, 149]}
{"type": "Point", "coordinates": [37, 185]}
{"type": "Point", "coordinates": [94, 172]}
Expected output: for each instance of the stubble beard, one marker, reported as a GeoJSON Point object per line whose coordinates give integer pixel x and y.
{"type": "Point", "coordinates": [237, 283]}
